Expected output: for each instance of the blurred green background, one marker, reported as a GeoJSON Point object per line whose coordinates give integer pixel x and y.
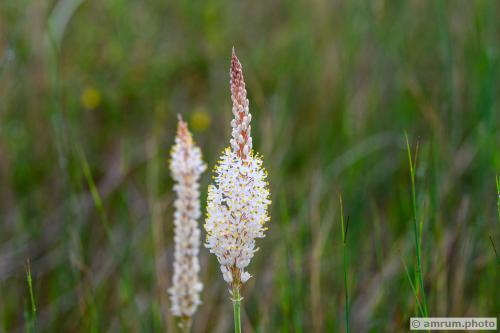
{"type": "Point", "coordinates": [89, 93]}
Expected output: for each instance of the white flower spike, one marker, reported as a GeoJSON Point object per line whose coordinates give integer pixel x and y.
{"type": "Point", "coordinates": [238, 201]}
{"type": "Point", "coordinates": [186, 166]}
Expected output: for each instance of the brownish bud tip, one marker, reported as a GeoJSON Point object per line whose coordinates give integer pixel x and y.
{"type": "Point", "coordinates": [237, 81]}
{"type": "Point", "coordinates": [182, 129]}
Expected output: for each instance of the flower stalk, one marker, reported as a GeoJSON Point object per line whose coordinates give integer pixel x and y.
{"type": "Point", "coordinates": [236, 309]}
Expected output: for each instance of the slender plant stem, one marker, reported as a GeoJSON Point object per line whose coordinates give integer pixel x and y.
{"type": "Point", "coordinates": [344, 252]}
{"type": "Point", "coordinates": [32, 320]}
{"type": "Point", "coordinates": [236, 309]}
{"type": "Point", "coordinates": [498, 206]}
{"type": "Point", "coordinates": [413, 289]}
{"type": "Point", "coordinates": [95, 193]}
{"type": "Point", "coordinates": [416, 234]}
{"type": "Point", "coordinates": [346, 293]}
{"type": "Point", "coordinates": [494, 249]}
{"type": "Point", "coordinates": [498, 196]}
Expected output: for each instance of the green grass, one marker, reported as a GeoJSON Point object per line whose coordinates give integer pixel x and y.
{"type": "Point", "coordinates": [418, 287]}
{"type": "Point", "coordinates": [89, 96]}
{"type": "Point", "coordinates": [31, 317]}
{"type": "Point", "coordinates": [498, 196]}
{"type": "Point", "coordinates": [345, 263]}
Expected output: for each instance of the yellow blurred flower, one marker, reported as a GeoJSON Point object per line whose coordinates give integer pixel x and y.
{"type": "Point", "coordinates": [200, 120]}
{"type": "Point", "coordinates": [90, 98]}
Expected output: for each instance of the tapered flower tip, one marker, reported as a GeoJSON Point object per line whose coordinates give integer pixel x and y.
{"type": "Point", "coordinates": [182, 130]}
{"type": "Point", "coordinates": [241, 141]}
{"type": "Point", "coordinates": [237, 82]}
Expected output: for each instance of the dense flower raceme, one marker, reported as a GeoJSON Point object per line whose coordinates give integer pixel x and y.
{"type": "Point", "coordinates": [186, 166]}
{"type": "Point", "coordinates": [237, 207]}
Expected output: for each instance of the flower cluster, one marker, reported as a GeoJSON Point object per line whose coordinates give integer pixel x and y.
{"type": "Point", "coordinates": [186, 166]}
{"type": "Point", "coordinates": [237, 207]}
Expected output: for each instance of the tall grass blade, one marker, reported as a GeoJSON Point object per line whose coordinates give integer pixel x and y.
{"type": "Point", "coordinates": [417, 228]}
{"type": "Point", "coordinates": [32, 319]}
{"type": "Point", "coordinates": [344, 254]}
{"type": "Point", "coordinates": [413, 289]}
{"type": "Point", "coordinates": [498, 196]}
{"type": "Point", "coordinates": [94, 192]}
{"type": "Point", "coordinates": [494, 249]}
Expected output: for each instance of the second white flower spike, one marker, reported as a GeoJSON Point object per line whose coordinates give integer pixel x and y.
{"type": "Point", "coordinates": [186, 167]}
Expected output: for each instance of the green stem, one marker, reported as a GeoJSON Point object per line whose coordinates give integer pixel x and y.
{"type": "Point", "coordinates": [236, 308]}
{"type": "Point", "coordinates": [32, 298]}
{"type": "Point", "coordinates": [346, 292]}
{"type": "Point", "coordinates": [498, 196]}
{"type": "Point", "coordinates": [416, 233]}
{"type": "Point", "coordinates": [344, 249]}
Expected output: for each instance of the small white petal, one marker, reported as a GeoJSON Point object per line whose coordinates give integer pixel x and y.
{"type": "Point", "coordinates": [245, 277]}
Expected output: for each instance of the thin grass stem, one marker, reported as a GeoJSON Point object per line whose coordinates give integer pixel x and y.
{"type": "Point", "coordinates": [494, 249]}
{"type": "Point", "coordinates": [29, 280]}
{"type": "Point", "coordinates": [344, 254]}
{"type": "Point", "coordinates": [94, 192]}
{"type": "Point", "coordinates": [498, 196]}
{"type": "Point", "coordinates": [413, 289]}
{"type": "Point", "coordinates": [416, 228]}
